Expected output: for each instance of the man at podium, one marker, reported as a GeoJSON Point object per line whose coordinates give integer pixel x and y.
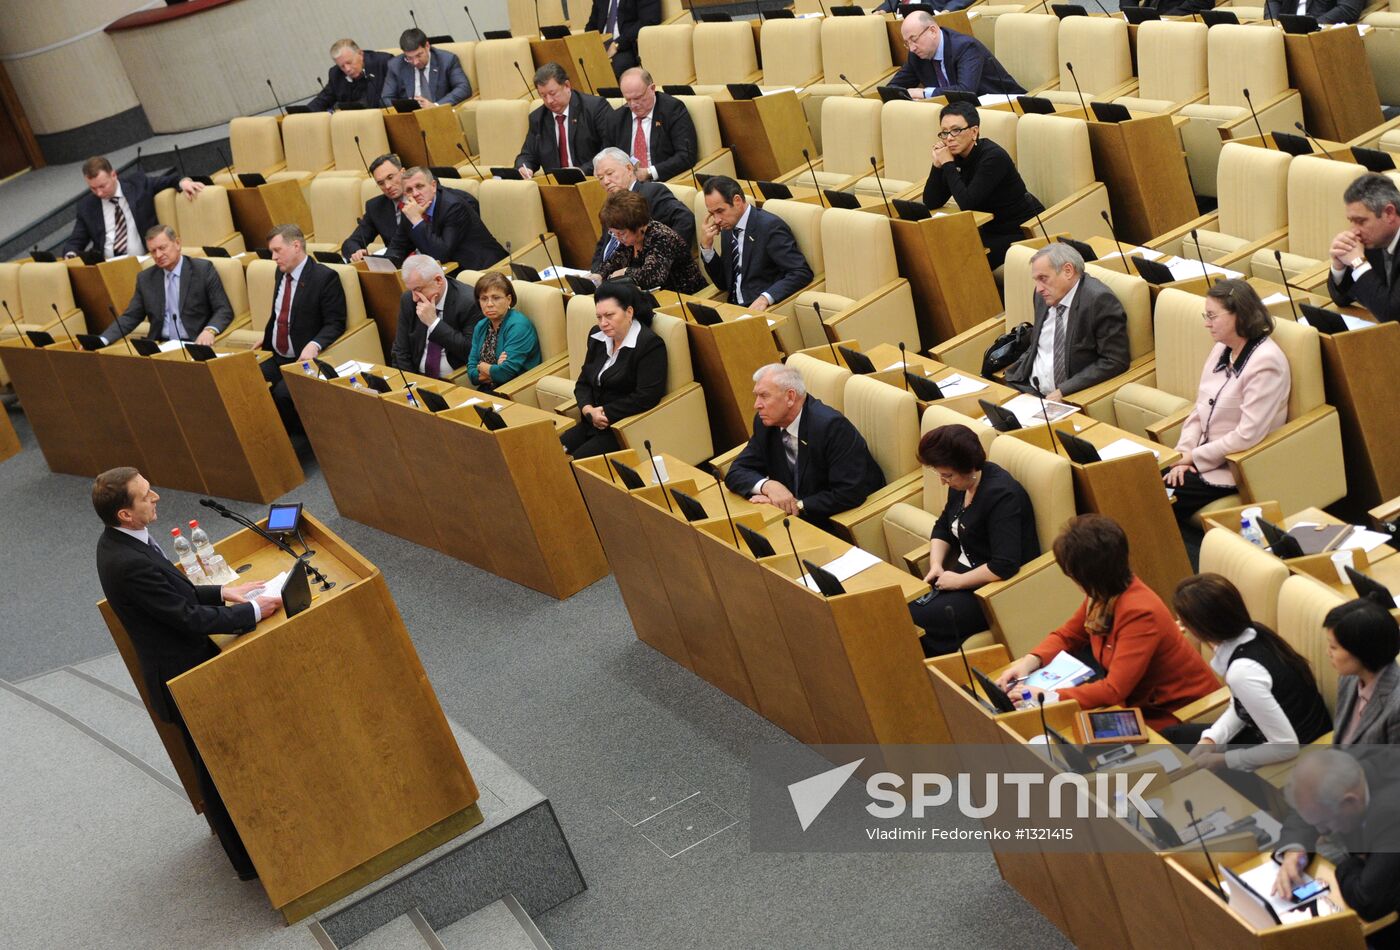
{"type": "Point", "coordinates": [615, 170]}
{"type": "Point", "coordinates": [181, 296]}
{"type": "Point", "coordinates": [1364, 256]}
{"type": "Point", "coordinates": [169, 619]}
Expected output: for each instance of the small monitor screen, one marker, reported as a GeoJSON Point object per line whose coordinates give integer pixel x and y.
{"type": "Point", "coordinates": [283, 517]}
{"type": "Point", "coordinates": [1117, 724]}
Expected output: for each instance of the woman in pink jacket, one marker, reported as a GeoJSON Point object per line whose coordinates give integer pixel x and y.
{"type": "Point", "coordinates": [1242, 398]}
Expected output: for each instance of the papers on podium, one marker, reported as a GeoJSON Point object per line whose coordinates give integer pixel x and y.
{"type": "Point", "coordinates": [847, 565]}
{"type": "Point", "coordinates": [559, 272]}
{"type": "Point", "coordinates": [1353, 323]}
{"type": "Point", "coordinates": [1119, 448]}
{"type": "Point", "coordinates": [1026, 409]}
{"type": "Point", "coordinates": [1063, 670]}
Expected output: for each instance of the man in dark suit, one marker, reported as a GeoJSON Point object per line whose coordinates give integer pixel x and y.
{"type": "Point", "coordinates": [758, 261]}
{"type": "Point", "coordinates": [357, 77]}
{"type": "Point", "coordinates": [655, 129]}
{"type": "Point", "coordinates": [308, 314]}
{"type": "Point", "coordinates": [897, 6]}
{"type": "Point", "coordinates": [622, 20]}
{"type": "Point", "coordinates": [181, 296]}
{"type": "Point", "coordinates": [436, 319]}
{"type": "Point", "coordinates": [615, 170]}
{"type": "Point", "coordinates": [1323, 11]}
{"type": "Point", "coordinates": [945, 59]}
{"type": "Point", "coordinates": [169, 619]}
{"type": "Point", "coordinates": [1365, 268]}
{"type": "Point", "coordinates": [117, 210]}
{"type": "Point", "coordinates": [444, 223]}
{"type": "Point", "coordinates": [805, 457]}
{"type": "Point", "coordinates": [1353, 798]}
{"type": "Point", "coordinates": [430, 76]}
{"type": "Point", "coordinates": [383, 212]}
{"type": "Point", "coordinates": [588, 120]}
{"type": "Point", "coordinates": [1080, 337]}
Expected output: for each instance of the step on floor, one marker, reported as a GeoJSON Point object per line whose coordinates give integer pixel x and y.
{"type": "Point", "coordinates": [503, 925]}
{"type": "Point", "coordinates": [402, 933]}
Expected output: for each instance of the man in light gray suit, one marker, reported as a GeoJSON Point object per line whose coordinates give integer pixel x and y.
{"type": "Point", "coordinates": [182, 296]}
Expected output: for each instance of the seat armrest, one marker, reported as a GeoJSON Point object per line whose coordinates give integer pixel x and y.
{"type": "Point", "coordinates": [522, 387]}
{"type": "Point", "coordinates": [1205, 709]}
{"type": "Point", "coordinates": [864, 525]}
{"type": "Point", "coordinates": [1239, 259]}
{"type": "Point", "coordinates": [885, 315]}
{"type": "Point", "coordinates": [721, 462]}
{"type": "Point", "coordinates": [718, 162]}
{"type": "Point", "coordinates": [1167, 430]}
{"type": "Point", "coordinates": [679, 424]}
{"type": "Point", "coordinates": [1022, 608]}
{"type": "Point", "coordinates": [965, 350]}
{"type": "Point", "coordinates": [1171, 241]}
{"type": "Point", "coordinates": [867, 88]}
{"type": "Point", "coordinates": [1125, 88]}
{"type": "Point", "coordinates": [1299, 464]}
{"type": "Point", "coordinates": [1286, 98]}
{"type": "Point", "coordinates": [917, 560]}
{"type": "Point", "coordinates": [1097, 400]}
{"type": "Point", "coordinates": [1371, 138]}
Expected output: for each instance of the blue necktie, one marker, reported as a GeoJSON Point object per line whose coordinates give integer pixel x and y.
{"type": "Point", "coordinates": [172, 307]}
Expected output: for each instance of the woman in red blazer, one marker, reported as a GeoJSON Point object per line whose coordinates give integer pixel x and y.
{"type": "Point", "coordinates": [1123, 626]}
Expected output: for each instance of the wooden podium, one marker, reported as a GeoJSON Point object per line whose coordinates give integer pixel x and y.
{"type": "Point", "coordinates": [51, 418]}
{"type": "Point", "coordinates": [571, 213]}
{"type": "Point", "coordinates": [767, 134]}
{"type": "Point", "coordinates": [526, 16]}
{"type": "Point", "coordinates": [1339, 94]}
{"type": "Point", "coordinates": [1141, 163]}
{"type": "Point", "coordinates": [597, 69]}
{"type": "Point", "coordinates": [726, 356]}
{"type": "Point", "coordinates": [322, 733]}
{"type": "Point", "coordinates": [256, 211]}
{"type": "Point", "coordinates": [100, 289]}
{"type": "Point", "coordinates": [99, 414]}
{"type": "Point", "coordinates": [948, 273]}
{"type": "Point", "coordinates": [1358, 367]}
{"type": "Point", "coordinates": [437, 128]}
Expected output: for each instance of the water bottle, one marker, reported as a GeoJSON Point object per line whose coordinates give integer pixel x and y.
{"type": "Point", "coordinates": [1250, 531]}
{"type": "Point", "coordinates": [1025, 701]}
{"type": "Point", "coordinates": [203, 550]}
{"type": "Point", "coordinates": [185, 553]}
{"type": "Point", "coordinates": [307, 369]}
{"type": "Point", "coordinates": [355, 382]}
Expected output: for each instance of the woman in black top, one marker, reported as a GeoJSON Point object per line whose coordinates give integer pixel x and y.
{"type": "Point", "coordinates": [624, 372]}
{"type": "Point", "coordinates": [979, 175]}
{"type": "Point", "coordinates": [985, 534]}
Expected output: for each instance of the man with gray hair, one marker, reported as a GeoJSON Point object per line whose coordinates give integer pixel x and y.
{"type": "Point", "coordinates": [614, 169]}
{"type": "Point", "coordinates": [1353, 798]}
{"type": "Point", "coordinates": [356, 78]}
{"type": "Point", "coordinates": [805, 457]}
{"type": "Point", "coordinates": [181, 296]}
{"type": "Point", "coordinates": [1080, 336]}
{"type": "Point", "coordinates": [436, 319]}
{"type": "Point", "coordinates": [1364, 265]}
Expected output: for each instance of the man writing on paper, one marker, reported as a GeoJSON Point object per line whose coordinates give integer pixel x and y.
{"type": "Point", "coordinates": [181, 296]}
{"type": "Point", "coordinates": [1364, 256]}
{"type": "Point", "coordinates": [568, 131]}
{"type": "Point", "coordinates": [615, 170]}
{"type": "Point", "coordinates": [117, 210]}
{"type": "Point", "coordinates": [944, 59]}
{"type": "Point", "coordinates": [805, 457]}
{"type": "Point", "coordinates": [169, 619]}
{"type": "Point", "coordinates": [383, 212]}
{"type": "Point", "coordinates": [1080, 337]}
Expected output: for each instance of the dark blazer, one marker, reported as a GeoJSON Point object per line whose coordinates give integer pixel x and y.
{"type": "Point", "coordinates": [674, 146]}
{"type": "Point", "coordinates": [970, 66]}
{"type": "Point", "coordinates": [318, 308]}
{"type": "Point", "coordinates": [447, 81]}
{"type": "Point", "coordinates": [591, 125]}
{"type": "Point", "coordinates": [632, 15]}
{"type": "Point", "coordinates": [1380, 723]}
{"type": "Point", "coordinates": [168, 619]}
{"type": "Point", "coordinates": [367, 89]}
{"type": "Point", "coordinates": [835, 470]}
{"type": "Point", "coordinates": [664, 262]}
{"type": "Point", "coordinates": [1323, 11]}
{"type": "Point", "coordinates": [139, 191]}
{"type": "Point", "coordinates": [985, 179]}
{"type": "Point", "coordinates": [635, 383]}
{"type": "Point", "coordinates": [1098, 338]}
{"type": "Point", "coordinates": [380, 220]}
{"type": "Point", "coordinates": [203, 302]}
{"type": "Point", "coordinates": [1372, 291]}
{"type": "Point", "coordinates": [456, 233]}
{"type": "Point", "coordinates": [998, 530]}
{"type": "Point", "coordinates": [665, 207]}
{"type": "Point", "coordinates": [893, 6]}
{"type": "Point", "coordinates": [460, 315]}
{"type": "Point", "coordinates": [1174, 7]}
{"type": "Point", "coordinates": [772, 262]}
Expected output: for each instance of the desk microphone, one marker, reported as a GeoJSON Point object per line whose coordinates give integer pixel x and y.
{"type": "Point", "coordinates": [660, 483]}
{"type": "Point", "coordinates": [581, 68]}
{"type": "Point", "coordinates": [875, 170]}
{"type": "Point", "coordinates": [1045, 413]}
{"type": "Point", "coordinates": [413, 18]}
{"type": "Point", "coordinates": [1287, 287]}
{"type": "Point", "coordinates": [14, 323]}
{"type": "Point", "coordinates": [1300, 128]}
{"type": "Point", "coordinates": [274, 96]}
{"type": "Point", "coordinates": [854, 87]}
{"type": "Point", "coordinates": [905, 364]}
{"type": "Point", "coordinates": [529, 89]}
{"type": "Point", "coordinates": [472, 20]}
{"type": "Point", "coordinates": [1267, 15]}
{"type": "Point", "coordinates": [1042, 226]}
{"type": "Point", "coordinates": [607, 465]}
{"type": "Point", "coordinates": [228, 165]}
{"type": "Point", "coordinates": [180, 338]}
{"type": "Point", "coordinates": [223, 512]}
{"type": "Point", "coordinates": [180, 160]}
{"type": "Point", "coordinates": [1114, 234]}
{"type": "Point", "coordinates": [125, 337]}
{"type": "Point", "coordinates": [967, 667]}
{"type": "Point", "coordinates": [1200, 257]}
{"type": "Point", "coordinates": [509, 261]}
{"type": "Point", "coordinates": [817, 309]}
{"type": "Point", "coordinates": [1191, 813]}
{"type": "Point", "coordinates": [696, 178]}
{"type": "Point", "coordinates": [1085, 109]}
{"type": "Point", "coordinates": [806, 155]}
{"type": "Point", "coordinates": [552, 266]}
{"type": "Point", "coordinates": [407, 386]}
{"type": "Point", "coordinates": [362, 157]}
{"type": "Point", "coordinates": [1044, 728]}
{"type": "Point", "coordinates": [461, 148]}
{"type": "Point", "coordinates": [725, 501]}
{"type": "Point", "coordinates": [71, 342]}
{"type": "Point", "coordinates": [1259, 128]}
{"type": "Point", "coordinates": [427, 154]}
{"type": "Point", "coordinates": [787, 526]}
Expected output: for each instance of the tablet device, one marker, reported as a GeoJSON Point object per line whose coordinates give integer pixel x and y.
{"type": "Point", "coordinates": [296, 590]}
{"type": "Point", "coordinates": [1112, 726]}
{"type": "Point", "coordinates": [282, 518]}
{"type": "Point", "coordinates": [825, 580]}
{"type": "Point", "coordinates": [856, 361]}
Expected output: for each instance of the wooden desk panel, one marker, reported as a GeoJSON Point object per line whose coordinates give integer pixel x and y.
{"type": "Point", "coordinates": [101, 288]}
{"type": "Point", "coordinates": [50, 416]}
{"type": "Point", "coordinates": [1340, 101]}
{"type": "Point", "coordinates": [156, 424]}
{"type": "Point", "coordinates": [98, 415]}
{"type": "Point", "coordinates": [767, 134]}
{"type": "Point", "coordinates": [328, 410]}
{"type": "Point", "coordinates": [9, 439]}
{"type": "Point", "coordinates": [1359, 371]}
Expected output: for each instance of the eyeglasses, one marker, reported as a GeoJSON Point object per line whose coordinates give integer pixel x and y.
{"type": "Point", "coordinates": [491, 298]}
{"type": "Point", "coordinates": [1209, 317]}
{"type": "Point", "coordinates": [909, 43]}
{"type": "Point", "coordinates": [947, 134]}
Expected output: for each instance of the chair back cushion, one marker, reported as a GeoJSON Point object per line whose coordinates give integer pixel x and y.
{"type": "Point", "coordinates": [256, 143]}
{"type": "Point", "coordinates": [824, 380]}
{"type": "Point", "coordinates": [851, 135]}
{"type": "Point", "coordinates": [1046, 477]}
{"type": "Point", "coordinates": [306, 139]}
{"type": "Point", "coordinates": [888, 418]}
{"type": "Point", "coordinates": [792, 51]}
{"type": "Point", "coordinates": [1183, 344]}
{"type": "Point", "coordinates": [1303, 602]}
{"type": "Point", "coordinates": [235, 281]}
{"type": "Point", "coordinates": [496, 60]}
{"type": "Point", "coordinates": [368, 124]}
{"type": "Point", "coordinates": [336, 205]}
{"type": "Point", "coordinates": [1052, 154]}
{"type": "Point", "coordinates": [673, 333]}
{"type": "Point", "coordinates": [41, 288]}
{"type": "Point", "coordinates": [544, 305]}
{"type": "Point", "coordinates": [1252, 185]}
{"type": "Point", "coordinates": [1019, 288]}
{"type": "Point", "coordinates": [803, 219]}
{"type": "Point", "coordinates": [1303, 347]}
{"type": "Point", "coordinates": [723, 52]}
{"type": "Point", "coordinates": [908, 131]}
{"type": "Point", "coordinates": [1000, 127]}
{"type": "Point", "coordinates": [1135, 296]}
{"type": "Point", "coordinates": [355, 313]}
{"type": "Point", "coordinates": [861, 251]}
{"type": "Point", "coordinates": [668, 52]}
{"type": "Point", "coordinates": [1027, 44]}
{"type": "Point", "coordinates": [857, 46]}
{"type": "Point", "coordinates": [205, 220]}
{"type": "Point", "coordinates": [512, 210]}
{"type": "Point", "coordinates": [465, 51]}
{"type": "Point", "coordinates": [1172, 63]}
{"type": "Point", "coordinates": [1242, 56]}
{"type": "Point", "coordinates": [1257, 574]}
{"type": "Point", "coordinates": [702, 114]}
{"type": "Point", "coordinates": [501, 126]}
{"type": "Point", "coordinates": [1316, 212]}
{"type": "Point", "coordinates": [581, 319]}
{"type": "Point", "coordinates": [1097, 48]}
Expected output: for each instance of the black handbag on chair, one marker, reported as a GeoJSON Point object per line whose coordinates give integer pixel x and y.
{"type": "Point", "coordinates": [1006, 350]}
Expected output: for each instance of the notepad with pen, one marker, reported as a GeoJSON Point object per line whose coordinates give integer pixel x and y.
{"type": "Point", "coordinates": [1064, 670]}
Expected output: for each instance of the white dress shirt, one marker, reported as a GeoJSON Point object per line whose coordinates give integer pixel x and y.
{"type": "Point", "coordinates": [144, 536]}
{"type": "Point", "coordinates": [1043, 368]}
{"type": "Point", "coordinates": [1252, 685]}
{"type": "Point", "coordinates": [791, 429]}
{"type": "Point", "coordinates": [613, 351]}
{"type": "Point", "coordinates": [135, 244]}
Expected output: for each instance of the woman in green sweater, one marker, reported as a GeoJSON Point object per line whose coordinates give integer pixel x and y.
{"type": "Point", "coordinates": [504, 344]}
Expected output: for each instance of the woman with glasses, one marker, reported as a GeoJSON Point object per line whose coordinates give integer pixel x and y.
{"type": "Point", "coordinates": [504, 344]}
{"type": "Point", "coordinates": [1243, 397]}
{"type": "Point", "coordinates": [649, 254]}
{"type": "Point", "coordinates": [979, 175]}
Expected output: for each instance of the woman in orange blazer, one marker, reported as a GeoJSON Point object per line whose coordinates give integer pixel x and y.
{"type": "Point", "coordinates": [1123, 626]}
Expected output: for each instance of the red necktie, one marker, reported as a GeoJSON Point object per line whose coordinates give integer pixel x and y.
{"type": "Point", "coordinates": [563, 137]}
{"type": "Point", "coordinates": [639, 144]}
{"type": "Point", "coordinates": [282, 341]}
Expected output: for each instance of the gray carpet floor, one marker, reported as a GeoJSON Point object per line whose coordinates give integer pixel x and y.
{"type": "Point", "coordinates": [566, 694]}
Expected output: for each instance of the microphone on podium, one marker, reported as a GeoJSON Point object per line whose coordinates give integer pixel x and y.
{"type": "Point", "coordinates": [14, 323]}
{"type": "Point", "coordinates": [875, 168]}
{"type": "Point", "coordinates": [1191, 813]}
{"type": "Point", "coordinates": [807, 155]}
{"type": "Point", "coordinates": [1301, 128]}
{"type": "Point", "coordinates": [719, 484]}
{"type": "Point", "coordinates": [1049, 431]}
{"type": "Point", "coordinates": [651, 457]}
{"type": "Point", "coordinates": [529, 89]}
{"type": "Point", "coordinates": [1070, 66]}
{"type": "Point", "coordinates": [1114, 234]}
{"type": "Point", "coordinates": [72, 342]}
{"type": "Point", "coordinates": [1255, 116]}
{"type": "Point", "coordinates": [126, 338]}
{"type": "Point", "coordinates": [1287, 287]}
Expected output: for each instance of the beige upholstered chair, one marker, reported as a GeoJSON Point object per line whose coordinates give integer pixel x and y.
{"type": "Point", "coordinates": [1028, 46]}
{"type": "Point", "coordinates": [826, 381]}
{"type": "Point", "coordinates": [1315, 214]}
{"type": "Point", "coordinates": [1097, 49]}
{"type": "Point", "coordinates": [1053, 156]}
{"type": "Point", "coordinates": [859, 48]}
{"type": "Point", "coordinates": [256, 144]}
{"type": "Point", "coordinates": [668, 53]}
{"type": "Point", "coordinates": [346, 126]}
{"type": "Point", "coordinates": [31, 291]}
{"type": "Point", "coordinates": [714, 157]}
{"type": "Point", "coordinates": [1257, 574]}
{"type": "Point", "coordinates": [908, 131]}
{"type": "Point", "coordinates": [502, 125]}
{"type": "Point", "coordinates": [1303, 602]}
{"type": "Point", "coordinates": [306, 142]}
{"type": "Point", "coordinates": [853, 138]}
{"type": "Point", "coordinates": [512, 211]}
{"type": "Point", "coordinates": [336, 206]}
{"type": "Point", "coordinates": [723, 53]}
{"type": "Point", "coordinates": [465, 51]}
{"type": "Point", "coordinates": [207, 221]}
{"type": "Point", "coordinates": [1133, 293]}
{"type": "Point", "coordinates": [1383, 51]}
{"type": "Point", "coordinates": [1172, 66]}
{"type": "Point", "coordinates": [792, 52]}
{"type": "Point", "coordinates": [496, 77]}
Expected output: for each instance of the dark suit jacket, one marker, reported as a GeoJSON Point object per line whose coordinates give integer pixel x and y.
{"type": "Point", "coordinates": [203, 302]}
{"type": "Point", "coordinates": [970, 66]}
{"type": "Point", "coordinates": [632, 15]}
{"type": "Point", "coordinates": [447, 81]}
{"type": "Point", "coordinates": [997, 530]}
{"type": "Point", "coordinates": [168, 619]}
{"type": "Point", "coordinates": [772, 260]}
{"type": "Point", "coordinates": [460, 315]}
{"type": "Point", "coordinates": [139, 191]}
{"type": "Point", "coordinates": [380, 220]}
{"type": "Point", "coordinates": [1098, 338]}
{"type": "Point", "coordinates": [635, 383]}
{"type": "Point", "coordinates": [893, 6]}
{"type": "Point", "coordinates": [367, 89]}
{"type": "Point", "coordinates": [985, 179]}
{"type": "Point", "coordinates": [1372, 291]}
{"type": "Point", "coordinates": [665, 207]}
{"type": "Point", "coordinates": [591, 125]}
{"type": "Point", "coordinates": [835, 470]}
{"type": "Point", "coordinates": [318, 308]}
{"type": "Point", "coordinates": [1323, 11]}
{"type": "Point", "coordinates": [456, 233]}
{"type": "Point", "coordinates": [674, 147]}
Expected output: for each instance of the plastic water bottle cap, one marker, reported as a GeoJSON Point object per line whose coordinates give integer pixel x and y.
{"type": "Point", "coordinates": [174, 532]}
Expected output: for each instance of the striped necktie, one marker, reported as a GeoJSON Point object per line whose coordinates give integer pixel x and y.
{"type": "Point", "coordinates": [735, 268]}
{"type": "Point", "coordinates": [119, 238]}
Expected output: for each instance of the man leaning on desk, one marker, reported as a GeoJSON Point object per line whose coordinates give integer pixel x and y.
{"type": "Point", "coordinates": [1364, 255]}
{"type": "Point", "coordinates": [942, 59]}
{"type": "Point", "coordinates": [118, 209]}
{"type": "Point", "coordinates": [181, 296]}
{"type": "Point", "coordinates": [805, 457]}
